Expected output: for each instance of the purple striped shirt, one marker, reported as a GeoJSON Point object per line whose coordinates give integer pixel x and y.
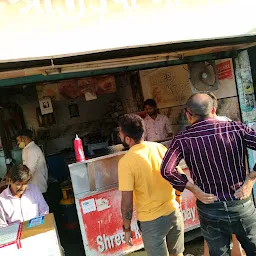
{"type": "Point", "coordinates": [214, 152]}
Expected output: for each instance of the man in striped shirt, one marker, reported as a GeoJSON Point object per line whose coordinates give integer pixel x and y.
{"type": "Point", "coordinates": [215, 154]}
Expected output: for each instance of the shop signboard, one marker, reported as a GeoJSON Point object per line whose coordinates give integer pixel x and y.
{"type": "Point", "coordinates": [102, 222]}
{"type": "Point", "coordinates": [32, 29]}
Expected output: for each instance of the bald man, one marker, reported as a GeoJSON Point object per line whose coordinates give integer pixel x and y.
{"type": "Point", "coordinates": [236, 247]}
{"type": "Point", "coordinates": [214, 152]}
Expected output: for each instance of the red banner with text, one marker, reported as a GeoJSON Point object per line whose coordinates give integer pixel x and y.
{"type": "Point", "coordinates": [102, 222]}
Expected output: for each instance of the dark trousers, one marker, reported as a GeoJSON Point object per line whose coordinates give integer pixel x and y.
{"type": "Point", "coordinates": [53, 197]}
{"type": "Point", "coordinates": [164, 235]}
{"type": "Point", "coordinates": [222, 219]}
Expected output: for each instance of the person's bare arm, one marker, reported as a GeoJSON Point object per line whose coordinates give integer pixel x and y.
{"type": "Point", "coordinates": [200, 195]}
{"type": "Point", "coordinates": [127, 210]}
{"type": "Point", "coordinates": [177, 192]}
{"type": "Point", "coordinates": [246, 189]}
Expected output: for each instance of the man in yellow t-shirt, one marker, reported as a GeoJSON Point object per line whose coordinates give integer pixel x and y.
{"type": "Point", "coordinates": [158, 213]}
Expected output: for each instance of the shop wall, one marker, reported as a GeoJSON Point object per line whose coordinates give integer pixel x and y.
{"type": "Point", "coordinates": [96, 116]}
{"type": "Point", "coordinates": [252, 57]}
{"type": "Point", "coordinates": [171, 87]}
{"type": "Point", "coordinates": [99, 115]}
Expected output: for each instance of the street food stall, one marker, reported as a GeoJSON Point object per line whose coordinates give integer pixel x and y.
{"type": "Point", "coordinates": [98, 203]}
{"type": "Point", "coordinates": [121, 53]}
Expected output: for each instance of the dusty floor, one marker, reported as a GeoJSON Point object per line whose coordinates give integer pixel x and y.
{"type": "Point", "coordinates": [193, 248]}
{"type": "Point", "coordinates": [74, 247]}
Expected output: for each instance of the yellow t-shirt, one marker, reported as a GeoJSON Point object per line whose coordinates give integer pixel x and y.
{"type": "Point", "coordinates": [139, 171]}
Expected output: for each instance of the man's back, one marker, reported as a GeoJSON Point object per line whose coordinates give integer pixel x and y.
{"type": "Point", "coordinates": [34, 159]}
{"type": "Point", "coordinates": [139, 171]}
{"type": "Point", "coordinates": [214, 152]}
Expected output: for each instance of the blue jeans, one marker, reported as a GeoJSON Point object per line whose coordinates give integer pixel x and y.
{"type": "Point", "coordinates": [222, 219]}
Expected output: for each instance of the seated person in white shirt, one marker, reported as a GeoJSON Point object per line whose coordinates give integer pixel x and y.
{"type": "Point", "coordinates": [157, 126]}
{"type": "Point", "coordinates": [21, 201]}
{"type": "Point", "coordinates": [33, 158]}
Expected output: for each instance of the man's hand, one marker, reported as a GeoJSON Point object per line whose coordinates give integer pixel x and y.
{"type": "Point", "coordinates": [178, 196]}
{"type": "Point", "coordinates": [128, 238]}
{"type": "Point", "coordinates": [127, 208]}
{"type": "Point", "coordinates": [200, 195]}
{"type": "Point", "coordinates": [246, 189]}
{"type": "Point", "coordinates": [179, 199]}
{"type": "Point", "coordinates": [204, 197]}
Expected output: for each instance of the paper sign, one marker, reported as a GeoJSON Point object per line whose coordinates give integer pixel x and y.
{"type": "Point", "coordinates": [46, 105]}
{"type": "Point", "coordinates": [36, 221]}
{"type": "Point", "coordinates": [88, 206]}
{"type": "Point", "coordinates": [225, 70]}
{"type": "Point", "coordinates": [102, 204]}
{"type": "Point", "coordinates": [162, 85]}
{"type": "Point", "coordinates": [90, 92]}
{"type": "Point", "coordinates": [9, 234]}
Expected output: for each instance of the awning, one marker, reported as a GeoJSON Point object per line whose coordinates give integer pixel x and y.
{"type": "Point", "coordinates": [53, 29]}
{"type": "Point", "coordinates": [124, 57]}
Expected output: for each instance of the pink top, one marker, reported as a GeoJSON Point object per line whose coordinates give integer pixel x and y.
{"type": "Point", "coordinates": [157, 129]}
{"type": "Point", "coordinates": [30, 205]}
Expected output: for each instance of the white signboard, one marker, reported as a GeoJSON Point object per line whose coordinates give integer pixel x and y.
{"type": "Point", "coordinates": [38, 28]}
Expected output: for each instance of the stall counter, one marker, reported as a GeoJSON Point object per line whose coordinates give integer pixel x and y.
{"type": "Point", "coordinates": [95, 184]}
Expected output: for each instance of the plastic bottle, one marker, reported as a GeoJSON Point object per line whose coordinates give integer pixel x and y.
{"type": "Point", "coordinates": [78, 146]}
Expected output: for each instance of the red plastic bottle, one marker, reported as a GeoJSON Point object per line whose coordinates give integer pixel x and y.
{"type": "Point", "coordinates": [78, 146]}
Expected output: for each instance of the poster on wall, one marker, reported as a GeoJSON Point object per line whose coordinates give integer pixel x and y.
{"type": "Point", "coordinates": [69, 89]}
{"type": "Point", "coordinates": [252, 156]}
{"type": "Point", "coordinates": [105, 84]}
{"type": "Point", "coordinates": [226, 77]}
{"type": "Point", "coordinates": [245, 87]}
{"type": "Point", "coordinates": [89, 87]}
{"type": "Point", "coordinates": [72, 89]}
{"type": "Point", "coordinates": [169, 86]}
{"type": "Point", "coordinates": [48, 90]}
{"type": "Point", "coordinates": [252, 153]}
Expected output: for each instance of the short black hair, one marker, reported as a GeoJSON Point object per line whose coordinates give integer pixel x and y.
{"type": "Point", "coordinates": [200, 108]}
{"type": "Point", "coordinates": [214, 98]}
{"type": "Point", "coordinates": [25, 132]}
{"type": "Point", "coordinates": [132, 126]}
{"type": "Point", "coordinates": [19, 173]}
{"type": "Point", "coordinates": [150, 102]}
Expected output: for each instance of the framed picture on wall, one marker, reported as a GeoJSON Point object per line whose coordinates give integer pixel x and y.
{"type": "Point", "coordinates": [73, 110]}
{"type": "Point", "coordinates": [46, 105]}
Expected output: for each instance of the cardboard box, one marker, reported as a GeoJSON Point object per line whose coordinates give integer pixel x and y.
{"type": "Point", "coordinates": [38, 237]}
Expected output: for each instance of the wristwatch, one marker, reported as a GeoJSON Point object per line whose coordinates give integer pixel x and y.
{"type": "Point", "coordinates": [126, 229]}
